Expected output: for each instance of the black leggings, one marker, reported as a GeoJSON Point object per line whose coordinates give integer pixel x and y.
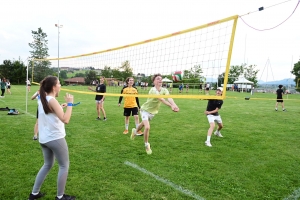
{"type": "Point", "coordinates": [2, 92]}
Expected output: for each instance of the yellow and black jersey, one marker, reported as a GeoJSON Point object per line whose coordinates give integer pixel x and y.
{"type": "Point", "coordinates": [130, 102]}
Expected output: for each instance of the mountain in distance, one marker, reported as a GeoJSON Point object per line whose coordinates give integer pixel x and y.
{"type": "Point", "coordinates": [286, 81]}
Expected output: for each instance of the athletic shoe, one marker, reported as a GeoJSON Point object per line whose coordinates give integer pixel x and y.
{"type": "Point", "coordinates": [98, 118]}
{"type": "Point", "coordinates": [139, 133]}
{"type": "Point", "coordinates": [148, 149]}
{"type": "Point", "coordinates": [66, 197]}
{"type": "Point", "coordinates": [35, 138]}
{"type": "Point", "coordinates": [284, 110]}
{"type": "Point", "coordinates": [133, 132]}
{"type": "Point", "coordinates": [37, 196]}
{"type": "Point", "coordinates": [125, 132]}
{"type": "Point", "coordinates": [275, 109]}
{"type": "Point", "coordinates": [218, 134]}
{"type": "Point", "coordinates": [207, 143]}
{"type": "Point", "coordinates": [104, 119]}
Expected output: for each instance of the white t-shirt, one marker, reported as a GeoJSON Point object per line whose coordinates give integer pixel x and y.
{"type": "Point", "coordinates": [50, 126]}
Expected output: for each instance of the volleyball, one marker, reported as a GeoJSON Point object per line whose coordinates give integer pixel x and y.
{"type": "Point", "coordinates": [177, 76]}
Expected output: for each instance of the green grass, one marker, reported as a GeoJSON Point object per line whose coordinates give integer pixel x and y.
{"type": "Point", "coordinates": [258, 158]}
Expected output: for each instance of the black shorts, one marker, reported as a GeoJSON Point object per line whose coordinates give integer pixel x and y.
{"type": "Point", "coordinates": [279, 100]}
{"type": "Point", "coordinates": [8, 87]}
{"type": "Point", "coordinates": [28, 85]}
{"type": "Point", "coordinates": [134, 111]}
{"type": "Point", "coordinates": [207, 88]}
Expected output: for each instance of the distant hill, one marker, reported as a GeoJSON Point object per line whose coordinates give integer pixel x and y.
{"type": "Point", "coordinates": [287, 81]}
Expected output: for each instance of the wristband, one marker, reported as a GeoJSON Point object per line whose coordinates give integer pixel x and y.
{"type": "Point", "coordinates": [73, 104]}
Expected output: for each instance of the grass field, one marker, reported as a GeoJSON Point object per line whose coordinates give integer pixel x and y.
{"type": "Point", "coordinates": [258, 158]}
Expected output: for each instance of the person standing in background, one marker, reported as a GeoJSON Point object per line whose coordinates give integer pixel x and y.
{"type": "Point", "coordinates": [131, 104]}
{"type": "Point", "coordinates": [28, 84]}
{"type": "Point", "coordinates": [3, 87]}
{"type": "Point", "coordinates": [100, 88]}
{"type": "Point", "coordinates": [279, 93]}
{"type": "Point", "coordinates": [8, 86]}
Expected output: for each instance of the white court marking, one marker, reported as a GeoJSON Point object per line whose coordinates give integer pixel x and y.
{"type": "Point", "coordinates": [167, 182]}
{"type": "Point", "coordinates": [295, 195]}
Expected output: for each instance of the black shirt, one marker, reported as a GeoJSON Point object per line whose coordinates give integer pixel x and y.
{"type": "Point", "coordinates": [101, 88]}
{"type": "Point", "coordinates": [213, 104]}
{"type": "Point", "coordinates": [279, 93]}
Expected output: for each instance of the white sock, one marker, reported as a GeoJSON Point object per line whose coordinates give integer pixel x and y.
{"type": "Point", "coordinates": [34, 193]}
{"type": "Point", "coordinates": [136, 126]}
{"type": "Point", "coordinates": [208, 138]}
{"type": "Point", "coordinates": [60, 196]}
{"type": "Point", "coordinates": [146, 144]}
{"type": "Point", "coordinates": [126, 126]}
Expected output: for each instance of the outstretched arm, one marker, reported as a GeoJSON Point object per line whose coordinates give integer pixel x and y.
{"type": "Point", "coordinates": [170, 102]}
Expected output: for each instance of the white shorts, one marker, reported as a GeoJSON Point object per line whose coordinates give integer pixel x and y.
{"type": "Point", "coordinates": [214, 118]}
{"type": "Point", "coordinates": [146, 115]}
{"type": "Point", "coordinates": [99, 102]}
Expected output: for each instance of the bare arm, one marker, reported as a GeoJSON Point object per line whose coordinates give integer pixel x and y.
{"type": "Point", "coordinates": [57, 108]}
{"type": "Point", "coordinates": [211, 112]}
{"type": "Point", "coordinates": [35, 95]}
{"type": "Point", "coordinates": [170, 102]}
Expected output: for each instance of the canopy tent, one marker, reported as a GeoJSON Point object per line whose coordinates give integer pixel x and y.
{"type": "Point", "coordinates": [167, 80]}
{"type": "Point", "coordinates": [243, 82]}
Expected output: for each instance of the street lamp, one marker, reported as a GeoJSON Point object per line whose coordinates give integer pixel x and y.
{"type": "Point", "coordinates": [58, 27]}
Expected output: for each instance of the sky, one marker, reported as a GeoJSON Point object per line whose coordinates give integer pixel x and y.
{"type": "Point", "coordinates": [95, 25]}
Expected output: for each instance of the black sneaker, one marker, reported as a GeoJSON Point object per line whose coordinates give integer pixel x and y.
{"type": "Point", "coordinates": [98, 118]}
{"type": "Point", "coordinates": [66, 197]}
{"type": "Point", "coordinates": [37, 196]}
{"type": "Point", "coordinates": [104, 119]}
{"type": "Point", "coordinates": [35, 138]}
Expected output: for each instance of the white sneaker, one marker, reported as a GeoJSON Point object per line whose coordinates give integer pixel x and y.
{"type": "Point", "coordinates": [207, 143]}
{"type": "Point", "coordinates": [133, 133]}
{"type": "Point", "coordinates": [148, 149]}
{"type": "Point", "coordinates": [218, 134]}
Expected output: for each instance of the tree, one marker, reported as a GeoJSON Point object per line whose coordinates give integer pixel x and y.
{"type": "Point", "coordinates": [126, 70]}
{"type": "Point", "coordinates": [106, 72]}
{"type": "Point", "coordinates": [90, 76]}
{"type": "Point", "coordinates": [234, 73]}
{"type": "Point", "coordinates": [296, 72]}
{"type": "Point", "coordinates": [14, 70]}
{"type": "Point", "coordinates": [80, 74]}
{"type": "Point", "coordinates": [194, 73]}
{"type": "Point", "coordinates": [251, 74]}
{"type": "Point", "coordinates": [63, 74]}
{"type": "Point", "coordinates": [39, 45]}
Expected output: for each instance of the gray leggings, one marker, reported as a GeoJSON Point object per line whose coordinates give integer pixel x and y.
{"type": "Point", "coordinates": [55, 149]}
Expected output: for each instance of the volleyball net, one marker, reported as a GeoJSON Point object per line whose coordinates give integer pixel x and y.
{"type": "Point", "coordinates": [187, 59]}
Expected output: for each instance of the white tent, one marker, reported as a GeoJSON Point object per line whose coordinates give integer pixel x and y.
{"type": "Point", "coordinates": [167, 80]}
{"type": "Point", "coordinates": [243, 83]}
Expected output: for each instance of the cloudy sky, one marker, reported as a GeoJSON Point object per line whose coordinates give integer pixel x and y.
{"type": "Point", "coordinates": [95, 25]}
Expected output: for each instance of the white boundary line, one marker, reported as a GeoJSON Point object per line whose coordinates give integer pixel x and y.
{"type": "Point", "coordinates": [294, 195]}
{"type": "Point", "coordinates": [167, 182]}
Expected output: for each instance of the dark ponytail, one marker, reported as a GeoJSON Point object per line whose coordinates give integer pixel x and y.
{"type": "Point", "coordinates": [46, 86]}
